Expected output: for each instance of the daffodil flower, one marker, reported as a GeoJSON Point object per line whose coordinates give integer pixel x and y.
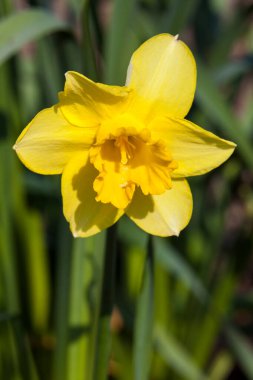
{"type": "Point", "coordinates": [126, 149]}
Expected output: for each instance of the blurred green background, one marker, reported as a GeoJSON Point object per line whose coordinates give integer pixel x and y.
{"type": "Point", "coordinates": [190, 314]}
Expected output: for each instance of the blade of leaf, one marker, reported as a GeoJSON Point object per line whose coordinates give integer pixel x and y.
{"type": "Point", "coordinates": [20, 28]}
{"type": "Point", "coordinates": [242, 350]}
{"type": "Point", "coordinates": [143, 329]}
{"type": "Point", "coordinates": [80, 318]}
{"type": "Point", "coordinates": [123, 355]}
{"type": "Point", "coordinates": [26, 362]}
{"type": "Point", "coordinates": [175, 355]}
{"type": "Point", "coordinates": [8, 262]}
{"type": "Point", "coordinates": [229, 34]}
{"type": "Point", "coordinates": [119, 42]}
{"type": "Point", "coordinates": [171, 260]}
{"type": "Point", "coordinates": [233, 70]}
{"type": "Point", "coordinates": [103, 332]}
{"type": "Point", "coordinates": [61, 307]}
{"type": "Point", "coordinates": [215, 107]}
{"type": "Point", "coordinates": [179, 14]}
{"type": "Point", "coordinates": [88, 43]}
{"type": "Point", "coordinates": [16, 358]}
{"type": "Point", "coordinates": [211, 322]}
{"type": "Point", "coordinates": [221, 366]}
{"type": "Point", "coordinates": [37, 271]}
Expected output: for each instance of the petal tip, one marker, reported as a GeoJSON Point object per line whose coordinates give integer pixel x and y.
{"type": "Point", "coordinates": [15, 147]}
{"type": "Point", "coordinates": [68, 74]}
{"type": "Point", "coordinates": [175, 231]}
{"type": "Point", "coordinates": [72, 227]}
{"type": "Point", "coordinates": [176, 37]}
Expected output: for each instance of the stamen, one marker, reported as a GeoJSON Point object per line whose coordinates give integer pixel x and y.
{"type": "Point", "coordinates": [126, 148]}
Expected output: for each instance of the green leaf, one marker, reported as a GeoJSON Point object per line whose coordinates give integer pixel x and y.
{"type": "Point", "coordinates": [179, 14]}
{"type": "Point", "coordinates": [36, 271]}
{"type": "Point", "coordinates": [131, 235]}
{"type": "Point", "coordinates": [23, 27]}
{"type": "Point", "coordinates": [61, 305]}
{"type": "Point", "coordinates": [175, 355]}
{"type": "Point", "coordinates": [222, 366]}
{"type": "Point", "coordinates": [9, 295]}
{"type": "Point", "coordinates": [23, 351]}
{"type": "Point", "coordinates": [171, 260]}
{"type": "Point", "coordinates": [232, 70]}
{"type": "Point", "coordinates": [122, 354]}
{"type": "Point", "coordinates": [212, 320]}
{"type": "Point", "coordinates": [215, 107]}
{"type": "Point", "coordinates": [144, 320]}
{"type": "Point", "coordinates": [80, 309]}
{"type": "Point", "coordinates": [230, 32]}
{"type": "Point", "coordinates": [120, 42]}
{"type": "Point", "coordinates": [242, 349]}
{"type": "Point", "coordinates": [88, 47]}
{"type": "Point", "coordinates": [106, 298]}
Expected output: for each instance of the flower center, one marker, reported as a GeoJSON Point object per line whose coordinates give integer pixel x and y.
{"type": "Point", "coordinates": [126, 148]}
{"type": "Point", "coordinates": [126, 156]}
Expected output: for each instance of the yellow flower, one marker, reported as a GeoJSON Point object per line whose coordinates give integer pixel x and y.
{"type": "Point", "coordinates": [126, 149]}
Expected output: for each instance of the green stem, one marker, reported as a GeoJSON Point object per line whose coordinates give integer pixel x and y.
{"type": "Point", "coordinates": [62, 305]}
{"type": "Point", "coordinates": [80, 315]}
{"type": "Point", "coordinates": [143, 331]}
{"type": "Point", "coordinates": [103, 339]}
{"type": "Point", "coordinates": [108, 287]}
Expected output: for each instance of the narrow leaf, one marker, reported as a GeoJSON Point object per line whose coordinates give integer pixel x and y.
{"type": "Point", "coordinates": [222, 366]}
{"type": "Point", "coordinates": [171, 260]}
{"type": "Point", "coordinates": [23, 27]}
{"type": "Point", "coordinates": [144, 320]}
{"type": "Point", "coordinates": [243, 351]}
{"type": "Point", "coordinates": [119, 42]}
{"type": "Point", "coordinates": [216, 108]}
{"type": "Point", "coordinates": [179, 14]}
{"type": "Point", "coordinates": [80, 311]}
{"type": "Point", "coordinates": [175, 355]}
{"type": "Point", "coordinates": [61, 307]}
{"type": "Point", "coordinates": [103, 338]}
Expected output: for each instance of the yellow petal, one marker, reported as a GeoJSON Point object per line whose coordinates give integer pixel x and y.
{"type": "Point", "coordinates": [162, 72]}
{"type": "Point", "coordinates": [113, 188]}
{"type": "Point", "coordinates": [163, 215]}
{"type": "Point", "coordinates": [195, 150]}
{"type": "Point", "coordinates": [85, 103]}
{"type": "Point", "coordinates": [49, 142]}
{"type": "Point", "coordinates": [85, 215]}
{"type": "Point", "coordinates": [112, 184]}
{"type": "Point", "coordinates": [151, 167]}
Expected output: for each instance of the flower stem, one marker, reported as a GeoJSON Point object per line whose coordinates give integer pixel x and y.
{"type": "Point", "coordinates": [143, 332]}
{"type": "Point", "coordinates": [62, 304]}
{"type": "Point", "coordinates": [108, 290]}
{"type": "Point", "coordinates": [103, 339]}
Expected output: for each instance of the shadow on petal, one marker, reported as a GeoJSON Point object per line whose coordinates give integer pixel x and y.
{"type": "Point", "coordinates": [141, 205]}
{"type": "Point", "coordinates": [90, 216]}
